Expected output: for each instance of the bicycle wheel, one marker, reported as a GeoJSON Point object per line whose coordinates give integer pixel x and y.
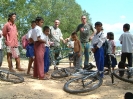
{"type": "Point", "coordinates": [60, 73]}
{"type": "Point", "coordinates": [82, 84]}
{"type": "Point", "coordinates": [123, 77]}
{"type": "Point", "coordinates": [10, 77]}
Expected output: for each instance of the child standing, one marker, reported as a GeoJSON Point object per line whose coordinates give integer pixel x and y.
{"type": "Point", "coordinates": [38, 36]}
{"type": "Point", "coordinates": [46, 31]}
{"type": "Point", "coordinates": [30, 47]}
{"type": "Point", "coordinates": [126, 39]}
{"type": "Point", "coordinates": [77, 51]}
{"type": "Point", "coordinates": [70, 44]}
{"type": "Point", "coordinates": [96, 47]}
{"type": "Point", "coordinates": [111, 50]}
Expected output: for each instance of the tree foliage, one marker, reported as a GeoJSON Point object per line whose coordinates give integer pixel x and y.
{"type": "Point", "coordinates": [67, 11]}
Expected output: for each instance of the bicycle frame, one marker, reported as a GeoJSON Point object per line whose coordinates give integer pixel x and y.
{"type": "Point", "coordinates": [110, 70]}
{"type": "Point", "coordinates": [64, 53]}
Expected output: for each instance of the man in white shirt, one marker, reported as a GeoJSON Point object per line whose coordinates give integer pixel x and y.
{"type": "Point", "coordinates": [56, 36]}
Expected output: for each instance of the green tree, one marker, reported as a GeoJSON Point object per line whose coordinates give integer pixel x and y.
{"type": "Point", "coordinates": [67, 11]}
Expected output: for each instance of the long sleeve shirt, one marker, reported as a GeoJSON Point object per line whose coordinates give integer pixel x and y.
{"type": "Point", "coordinates": [10, 33]}
{"type": "Point", "coordinates": [98, 40]}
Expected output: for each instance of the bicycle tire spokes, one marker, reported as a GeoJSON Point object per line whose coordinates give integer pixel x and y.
{"type": "Point", "coordinates": [123, 74]}
{"type": "Point", "coordinates": [10, 77]}
{"type": "Point", "coordinates": [80, 85]}
{"type": "Point", "coordinates": [88, 83]}
{"type": "Point", "coordinates": [60, 73]}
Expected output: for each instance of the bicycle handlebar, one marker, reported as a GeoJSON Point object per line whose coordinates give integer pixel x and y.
{"type": "Point", "coordinates": [113, 55]}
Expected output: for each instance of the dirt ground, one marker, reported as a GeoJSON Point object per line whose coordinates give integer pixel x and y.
{"type": "Point", "coordinates": [53, 88]}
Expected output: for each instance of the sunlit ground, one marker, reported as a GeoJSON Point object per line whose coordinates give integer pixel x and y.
{"type": "Point", "coordinates": [53, 88]}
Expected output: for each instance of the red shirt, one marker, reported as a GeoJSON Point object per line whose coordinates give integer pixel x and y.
{"type": "Point", "coordinates": [10, 33]}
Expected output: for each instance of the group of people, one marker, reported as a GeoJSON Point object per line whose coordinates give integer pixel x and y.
{"type": "Point", "coordinates": [41, 38]}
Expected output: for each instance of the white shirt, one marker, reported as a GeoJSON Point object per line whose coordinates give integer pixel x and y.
{"type": "Point", "coordinates": [55, 35]}
{"type": "Point", "coordinates": [71, 44]}
{"type": "Point", "coordinates": [36, 32]}
{"type": "Point", "coordinates": [98, 39]}
{"type": "Point", "coordinates": [46, 39]}
{"type": "Point", "coordinates": [28, 35]}
{"type": "Point", "coordinates": [1, 42]}
{"type": "Point", "coordinates": [127, 41]}
{"type": "Point", "coordinates": [111, 46]}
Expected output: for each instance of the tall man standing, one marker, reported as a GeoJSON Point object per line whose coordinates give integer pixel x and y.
{"type": "Point", "coordinates": [10, 33]}
{"type": "Point", "coordinates": [85, 32]}
{"type": "Point", "coordinates": [55, 36]}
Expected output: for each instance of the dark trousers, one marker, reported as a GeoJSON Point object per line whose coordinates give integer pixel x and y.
{"type": "Point", "coordinates": [1, 57]}
{"type": "Point", "coordinates": [46, 60]}
{"type": "Point", "coordinates": [129, 58]}
{"type": "Point", "coordinates": [56, 54]}
{"type": "Point", "coordinates": [99, 58]}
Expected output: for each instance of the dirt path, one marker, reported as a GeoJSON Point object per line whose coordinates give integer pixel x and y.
{"type": "Point", "coordinates": [52, 89]}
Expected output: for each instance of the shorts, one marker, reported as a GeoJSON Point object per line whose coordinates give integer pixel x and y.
{"type": "Point", "coordinates": [14, 51]}
{"type": "Point", "coordinates": [30, 50]}
{"type": "Point", "coordinates": [113, 60]}
{"type": "Point", "coordinates": [71, 56]}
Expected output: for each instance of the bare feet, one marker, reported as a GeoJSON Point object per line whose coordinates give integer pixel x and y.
{"type": "Point", "coordinates": [28, 73]}
{"type": "Point", "coordinates": [12, 70]}
{"type": "Point", "coordinates": [47, 74]}
{"type": "Point", "coordinates": [45, 78]}
{"type": "Point", "coordinates": [20, 69]}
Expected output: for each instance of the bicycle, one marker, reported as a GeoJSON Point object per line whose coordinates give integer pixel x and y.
{"type": "Point", "coordinates": [63, 72]}
{"type": "Point", "coordinates": [127, 75]}
{"type": "Point", "coordinates": [64, 53]}
{"type": "Point", "coordinates": [88, 81]}
{"type": "Point", "coordinates": [91, 56]}
{"type": "Point", "coordinates": [10, 77]}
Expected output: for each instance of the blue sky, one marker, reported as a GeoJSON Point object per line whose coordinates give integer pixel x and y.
{"type": "Point", "coordinates": [112, 13]}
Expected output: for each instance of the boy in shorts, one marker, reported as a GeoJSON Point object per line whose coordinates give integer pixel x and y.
{"type": "Point", "coordinates": [77, 51]}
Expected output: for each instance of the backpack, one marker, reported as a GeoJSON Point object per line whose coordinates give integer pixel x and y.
{"type": "Point", "coordinates": [24, 41]}
{"type": "Point", "coordinates": [105, 46]}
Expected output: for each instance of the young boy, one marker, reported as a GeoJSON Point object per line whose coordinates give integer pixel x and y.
{"type": "Point", "coordinates": [46, 31]}
{"type": "Point", "coordinates": [70, 44]}
{"type": "Point", "coordinates": [126, 39]}
{"type": "Point", "coordinates": [96, 47]}
{"type": "Point", "coordinates": [77, 51]}
{"type": "Point", "coordinates": [30, 47]}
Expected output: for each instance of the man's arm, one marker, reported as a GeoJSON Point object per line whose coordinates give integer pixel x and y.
{"type": "Point", "coordinates": [80, 48]}
{"type": "Point", "coordinates": [4, 30]}
{"type": "Point", "coordinates": [121, 39]}
{"type": "Point", "coordinates": [61, 36]}
{"type": "Point", "coordinates": [77, 29]}
{"type": "Point", "coordinates": [93, 32]}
